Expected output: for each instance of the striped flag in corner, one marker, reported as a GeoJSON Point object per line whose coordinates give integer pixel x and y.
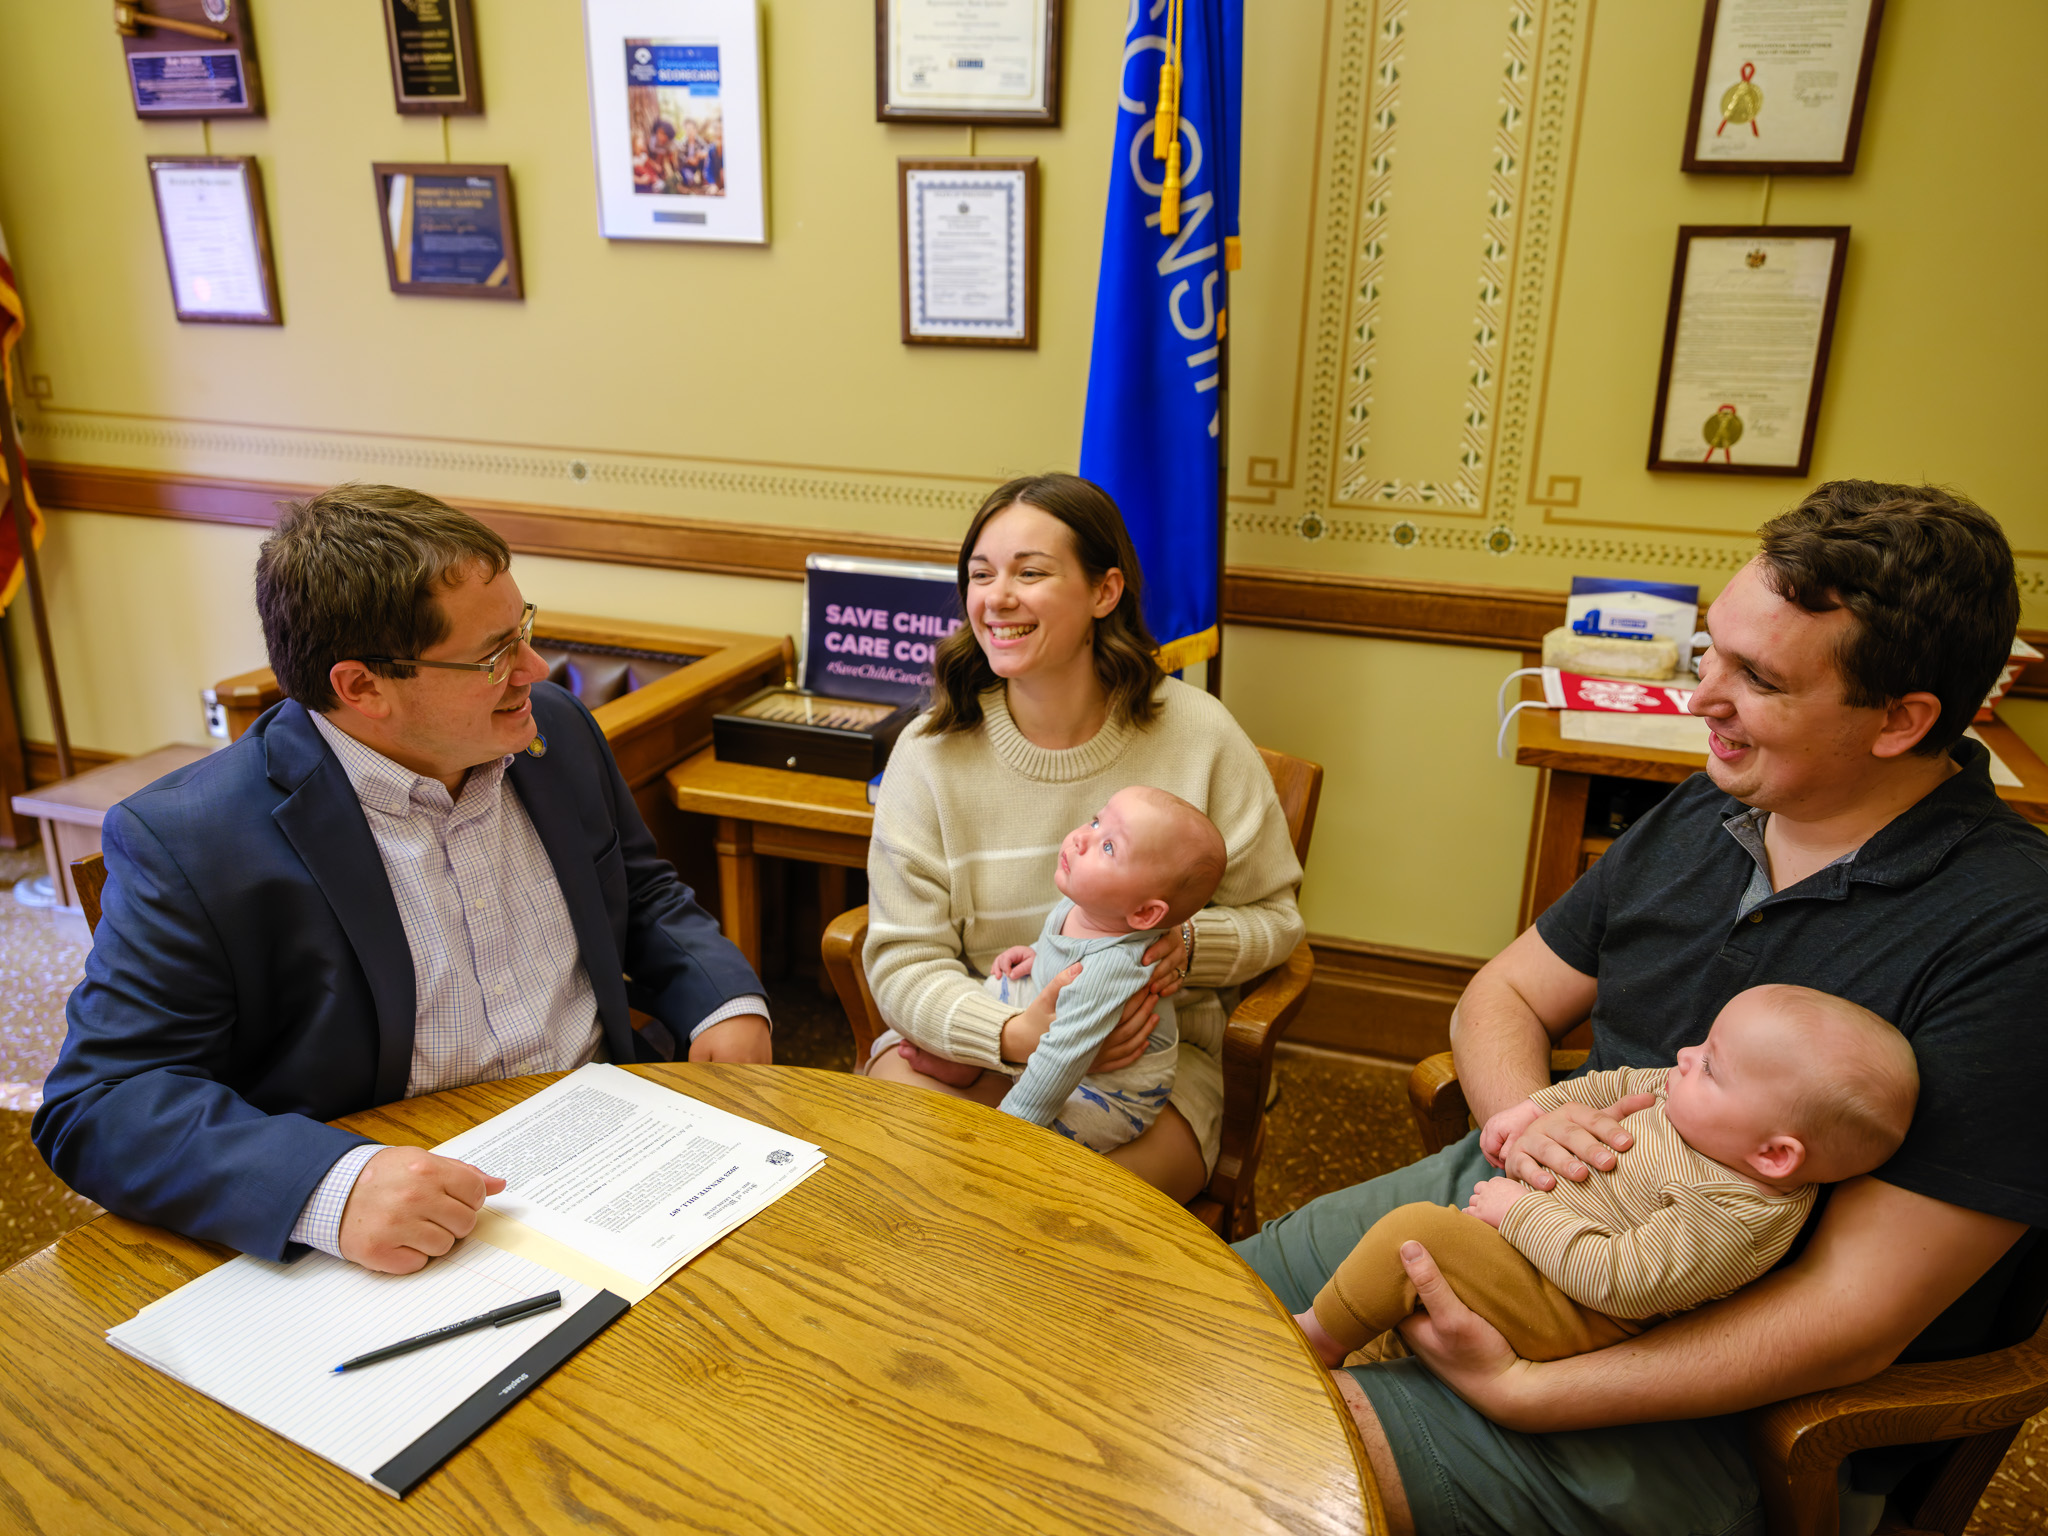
{"type": "Point", "coordinates": [12, 321]}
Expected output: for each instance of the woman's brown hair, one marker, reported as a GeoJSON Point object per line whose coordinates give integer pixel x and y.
{"type": "Point", "coordinates": [1125, 655]}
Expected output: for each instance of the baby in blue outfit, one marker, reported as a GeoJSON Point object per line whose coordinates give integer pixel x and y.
{"type": "Point", "coordinates": [1146, 862]}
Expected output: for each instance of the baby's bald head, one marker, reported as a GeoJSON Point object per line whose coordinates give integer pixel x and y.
{"type": "Point", "coordinates": [1181, 845]}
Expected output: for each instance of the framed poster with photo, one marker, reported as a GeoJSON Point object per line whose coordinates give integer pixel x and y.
{"type": "Point", "coordinates": [967, 61]}
{"type": "Point", "coordinates": [216, 235]}
{"type": "Point", "coordinates": [1780, 86]}
{"type": "Point", "coordinates": [449, 230]}
{"type": "Point", "coordinates": [676, 121]}
{"type": "Point", "coordinates": [432, 44]}
{"type": "Point", "coordinates": [1746, 348]}
{"type": "Point", "coordinates": [968, 235]}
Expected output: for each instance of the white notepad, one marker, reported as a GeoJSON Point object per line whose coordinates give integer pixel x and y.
{"type": "Point", "coordinates": [264, 1339]}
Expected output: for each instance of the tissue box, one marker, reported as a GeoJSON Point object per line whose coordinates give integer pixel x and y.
{"type": "Point", "coordinates": [1643, 661]}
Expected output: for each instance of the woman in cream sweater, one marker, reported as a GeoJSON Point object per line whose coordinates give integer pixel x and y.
{"type": "Point", "coordinates": [1045, 703]}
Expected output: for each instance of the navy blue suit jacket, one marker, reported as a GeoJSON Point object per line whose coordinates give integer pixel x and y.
{"type": "Point", "coordinates": [250, 977]}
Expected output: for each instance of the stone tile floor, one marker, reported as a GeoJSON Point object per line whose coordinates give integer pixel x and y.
{"type": "Point", "coordinates": [1339, 1119]}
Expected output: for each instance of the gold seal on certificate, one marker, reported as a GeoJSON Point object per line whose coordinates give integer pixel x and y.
{"type": "Point", "coordinates": [967, 61]}
{"type": "Point", "coordinates": [1810, 59]}
{"type": "Point", "coordinates": [1746, 349]}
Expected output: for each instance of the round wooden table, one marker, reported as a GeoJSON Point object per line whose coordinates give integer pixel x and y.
{"type": "Point", "coordinates": [960, 1324]}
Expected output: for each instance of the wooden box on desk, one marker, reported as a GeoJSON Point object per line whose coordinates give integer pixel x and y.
{"type": "Point", "coordinates": [810, 733]}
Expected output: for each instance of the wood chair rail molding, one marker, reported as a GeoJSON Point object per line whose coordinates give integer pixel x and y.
{"type": "Point", "coordinates": [1324, 602]}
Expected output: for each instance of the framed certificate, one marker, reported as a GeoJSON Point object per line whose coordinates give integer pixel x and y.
{"type": "Point", "coordinates": [432, 44]}
{"type": "Point", "coordinates": [190, 58]}
{"type": "Point", "coordinates": [449, 230]}
{"type": "Point", "coordinates": [676, 122]}
{"type": "Point", "coordinates": [968, 232]}
{"type": "Point", "coordinates": [1780, 86]}
{"type": "Point", "coordinates": [1746, 348]}
{"type": "Point", "coordinates": [209, 210]}
{"type": "Point", "coordinates": [967, 61]}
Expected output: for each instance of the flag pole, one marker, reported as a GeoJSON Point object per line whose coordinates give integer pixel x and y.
{"type": "Point", "coordinates": [24, 536]}
{"type": "Point", "coordinates": [1213, 674]}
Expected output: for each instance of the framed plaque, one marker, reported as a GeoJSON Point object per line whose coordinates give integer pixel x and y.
{"type": "Point", "coordinates": [1746, 348]}
{"type": "Point", "coordinates": [449, 230]}
{"type": "Point", "coordinates": [209, 210]}
{"type": "Point", "coordinates": [432, 44]}
{"type": "Point", "coordinates": [676, 122]}
{"type": "Point", "coordinates": [967, 61]}
{"type": "Point", "coordinates": [1780, 86]}
{"type": "Point", "coordinates": [190, 58]}
{"type": "Point", "coordinates": [968, 234]}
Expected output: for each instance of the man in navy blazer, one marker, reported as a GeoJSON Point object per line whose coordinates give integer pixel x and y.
{"type": "Point", "coordinates": [252, 974]}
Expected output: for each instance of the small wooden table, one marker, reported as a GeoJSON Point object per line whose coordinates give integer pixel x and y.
{"type": "Point", "coordinates": [1560, 849]}
{"type": "Point", "coordinates": [73, 810]}
{"type": "Point", "coordinates": [781, 814]}
{"type": "Point", "coordinates": [960, 1323]}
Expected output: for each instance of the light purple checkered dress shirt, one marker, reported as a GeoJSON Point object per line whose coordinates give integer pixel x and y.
{"type": "Point", "coordinates": [497, 972]}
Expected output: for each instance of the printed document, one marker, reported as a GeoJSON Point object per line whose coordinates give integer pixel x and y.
{"type": "Point", "coordinates": [633, 1175]}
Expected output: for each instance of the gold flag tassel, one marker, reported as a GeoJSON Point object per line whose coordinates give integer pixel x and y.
{"type": "Point", "coordinates": [1166, 126]}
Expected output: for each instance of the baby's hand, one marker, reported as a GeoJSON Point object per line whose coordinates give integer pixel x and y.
{"type": "Point", "coordinates": [1014, 961]}
{"type": "Point", "coordinates": [1504, 1127]}
{"type": "Point", "coordinates": [1492, 1199]}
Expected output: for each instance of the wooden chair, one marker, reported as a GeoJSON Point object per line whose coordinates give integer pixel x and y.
{"type": "Point", "coordinates": [1798, 1445]}
{"type": "Point", "coordinates": [1267, 1006]}
{"type": "Point", "coordinates": [89, 874]}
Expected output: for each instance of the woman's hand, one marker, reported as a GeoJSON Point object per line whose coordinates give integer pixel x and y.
{"type": "Point", "coordinates": [1168, 957]}
{"type": "Point", "coordinates": [1023, 1031]}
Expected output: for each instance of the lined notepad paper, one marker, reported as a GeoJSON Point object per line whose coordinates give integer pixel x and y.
{"type": "Point", "coordinates": [264, 1339]}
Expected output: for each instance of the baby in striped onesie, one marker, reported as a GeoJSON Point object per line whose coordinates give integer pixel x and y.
{"type": "Point", "coordinates": [1146, 862]}
{"type": "Point", "coordinates": [1791, 1089]}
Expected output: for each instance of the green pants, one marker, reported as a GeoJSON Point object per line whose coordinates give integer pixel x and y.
{"type": "Point", "coordinates": [1462, 1473]}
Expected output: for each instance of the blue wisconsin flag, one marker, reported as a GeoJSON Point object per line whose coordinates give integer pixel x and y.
{"type": "Point", "coordinates": [1153, 429]}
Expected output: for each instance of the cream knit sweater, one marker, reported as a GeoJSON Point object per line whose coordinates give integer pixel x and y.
{"type": "Point", "coordinates": [967, 832]}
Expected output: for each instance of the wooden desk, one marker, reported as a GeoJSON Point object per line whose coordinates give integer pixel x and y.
{"type": "Point", "coordinates": [960, 1323]}
{"type": "Point", "coordinates": [1560, 849]}
{"type": "Point", "coordinates": [785, 815]}
{"type": "Point", "coordinates": [72, 810]}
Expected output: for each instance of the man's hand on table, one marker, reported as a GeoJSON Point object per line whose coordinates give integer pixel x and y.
{"type": "Point", "coordinates": [409, 1206]}
{"type": "Point", "coordinates": [1570, 1140]}
{"type": "Point", "coordinates": [742, 1038]}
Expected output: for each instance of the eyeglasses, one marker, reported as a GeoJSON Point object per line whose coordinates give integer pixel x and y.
{"type": "Point", "coordinates": [497, 666]}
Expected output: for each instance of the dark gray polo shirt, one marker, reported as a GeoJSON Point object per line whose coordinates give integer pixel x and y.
{"type": "Point", "coordinates": [1938, 923]}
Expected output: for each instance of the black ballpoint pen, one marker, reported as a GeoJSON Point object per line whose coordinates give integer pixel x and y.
{"type": "Point", "coordinates": [497, 1319]}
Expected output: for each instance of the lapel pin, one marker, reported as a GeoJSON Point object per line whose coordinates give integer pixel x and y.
{"type": "Point", "coordinates": [538, 747]}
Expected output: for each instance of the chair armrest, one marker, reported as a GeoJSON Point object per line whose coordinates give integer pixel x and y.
{"type": "Point", "coordinates": [1256, 1026]}
{"type": "Point", "coordinates": [846, 937]}
{"type": "Point", "coordinates": [1441, 1114]}
{"type": "Point", "coordinates": [1903, 1405]}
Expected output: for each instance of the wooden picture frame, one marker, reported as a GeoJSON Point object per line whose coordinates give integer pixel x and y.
{"type": "Point", "coordinates": [190, 58]}
{"type": "Point", "coordinates": [1824, 119]}
{"type": "Point", "coordinates": [215, 230]}
{"type": "Point", "coordinates": [962, 312]}
{"type": "Point", "coordinates": [891, 105]}
{"type": "Point", "coordinates": [432, 46]}
{"type": "Point", "coordinates": [493, 273]}
{"type": "Point", "coordinates": [1704, 361]}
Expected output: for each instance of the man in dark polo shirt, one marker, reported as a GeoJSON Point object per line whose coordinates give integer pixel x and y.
{"type": "Point", "coordinates": [1846, 837]}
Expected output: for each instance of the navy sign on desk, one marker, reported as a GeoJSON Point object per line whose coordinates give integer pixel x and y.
{"type": "Point", "coordinates": [871, 627]}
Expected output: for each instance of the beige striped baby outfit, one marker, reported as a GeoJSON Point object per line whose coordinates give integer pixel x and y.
{"type": "Point", "coordinates": [1580, 1266]}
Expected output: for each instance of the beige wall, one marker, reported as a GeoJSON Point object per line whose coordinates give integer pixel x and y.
{"type": "Point", "coordinates": [768, 385]}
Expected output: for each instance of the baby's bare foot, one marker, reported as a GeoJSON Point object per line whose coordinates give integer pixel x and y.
{"type": "Point", "coordinates": [955, 1074]}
